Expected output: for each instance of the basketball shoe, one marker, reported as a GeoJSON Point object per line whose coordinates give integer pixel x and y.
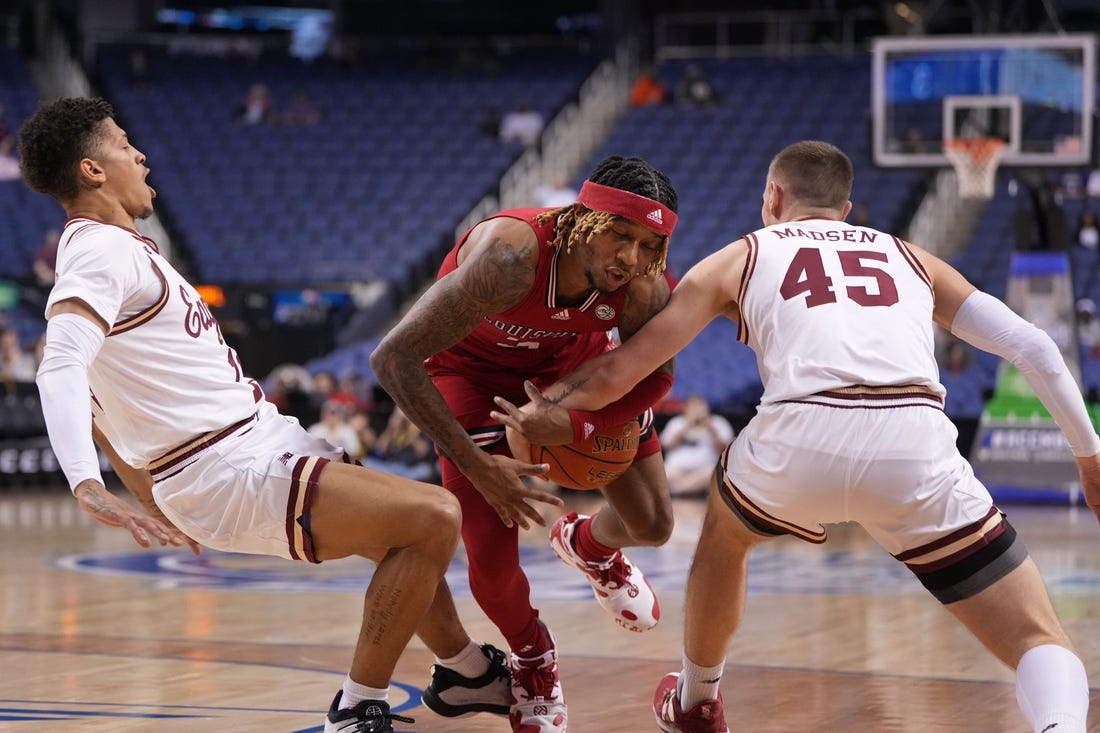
{"type": "Point", "coordinates": [620, 588]}
{"type": "Point", "coordinates": [537, 704]}
{"type": "Point", "coordinates": [453, 696]}
{"type": "Point", "coordinates": [366, 716]}
{"type": "Point", "coordinates": [706, 717]}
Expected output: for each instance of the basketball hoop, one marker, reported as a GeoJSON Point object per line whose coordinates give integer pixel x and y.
{"type": "Point", "coordinates": [975, 161]}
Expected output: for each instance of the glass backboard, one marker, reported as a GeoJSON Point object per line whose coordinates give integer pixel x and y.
{"type": "Point", "coordinates": [1037, 93]}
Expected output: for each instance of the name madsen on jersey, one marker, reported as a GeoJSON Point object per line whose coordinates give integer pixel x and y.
{"type": "Point", "coordinates": [829, 235]}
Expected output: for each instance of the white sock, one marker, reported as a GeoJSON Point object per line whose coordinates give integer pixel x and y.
{"type": "Point", "coordinates": [471, 662]}
{"type": "Point", "coordinates": [1053, 690]}
{"type": "Point", "coordinates": [355, 693]}
{"type": "Point", "coordinates": [698, 684]}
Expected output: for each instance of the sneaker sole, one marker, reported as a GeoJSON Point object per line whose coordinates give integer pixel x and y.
{"type": "Point", "coordinates": [434, 703]}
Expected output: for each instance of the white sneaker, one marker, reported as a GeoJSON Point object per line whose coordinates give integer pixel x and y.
{"type": "Point", "coordinates": [620, 588]}
{"type": "Point", "coordinates": [537, 703]}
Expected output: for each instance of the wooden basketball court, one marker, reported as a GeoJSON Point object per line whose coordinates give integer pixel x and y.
{"type": "Point", "coordinates": [97, 635]}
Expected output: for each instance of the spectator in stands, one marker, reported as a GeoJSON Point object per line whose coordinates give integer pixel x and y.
{"type": "Point", "coordinates": [139, 69]}
{"type": "Point", "coordinates": [1092, 185]}
{"type": "Point", "coordinates": [16, 365]}
{"type": "Point", "coordinates": [362, 423]}
{"type": "Point", "coordinates": [647, 90]}
{"type": "Point", "coordinates": [257, 106]}
{"type": "Point", "coordinates": [860, 216]}
{"type": "Point", "coordinates": [693, 442]}
{"type": "Point", "coordinates": [9, 164]}
{"type": "Point", "coordinates": [524, 123]}
{"type": "Point", "coordinates": [403, 449]}
{"type": "Point", "coordinates": [301, 110]}
{"type": "Point", "coordinates": [555, 194]}
{"type": "Point", "coordinates": [334, 427]}
{"type": "Point", "coordinates": [6, 133]}
{"type": "Point", "coordinates": [45, 260]}
{"type": "Point", "coordinates": [1088, 328]}
{"type": "Point", "coordinates": [1088, 231]}
{"type": "Point", "coordinates": [694, 89]}
{"type": "Point", "coordinates": [489, 126]}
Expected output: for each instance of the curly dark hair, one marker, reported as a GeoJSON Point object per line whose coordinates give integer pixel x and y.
{"type": "Point", "coordinates": [632, 174]}
{"type": "Point", "coordinates": [55, 138]}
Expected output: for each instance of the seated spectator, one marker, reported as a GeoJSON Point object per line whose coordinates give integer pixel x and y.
{"type": "Point", "coordinates": [523, 124]}
{"type": "Point", "coordinates": [403, 449]}
{"type": "Point", "coordinates": [489, 126]}
{"type": "Point", "coordinates": [45, 260]}
{"type": "Point", "coordinates": [694, 89]}
{"type": "Point", "coordinates": [556, 194]}
{"type": "Point", "coordinates": [953, 355]}
{"type": "Point", "coordinates": [860, 216]}
{"type": "Point", "coordinates": [334, 427]}
{"type": "Point", "coordinates": [692, 442]}
{"type": "Point", "coordinates": [1088, 231]}
{"type": "Point", "coordinates": [1092, 185]}
{"type": "Point", "coordinates": [1088, 328]}
{"type": "Point", "coordinates": [9, 164]}
{"type": "Point", "coordinates": [647, 90]}
{"type": "Point", "coordinates": [257, 106]}
{"type": "Point", "coordinates": [16, 365]}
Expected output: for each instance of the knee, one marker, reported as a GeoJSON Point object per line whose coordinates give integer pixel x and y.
{"type": "Point", "coordinates": [441, 520]}
{"type": "Point", "coordinates": [653, 532]}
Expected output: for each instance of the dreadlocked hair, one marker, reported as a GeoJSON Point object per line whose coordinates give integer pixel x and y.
{"type": "Point", "coordinates": [633, 175]}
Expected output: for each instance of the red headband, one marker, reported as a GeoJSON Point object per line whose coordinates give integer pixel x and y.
{"type": "Point", "coordinates": [645, 211]}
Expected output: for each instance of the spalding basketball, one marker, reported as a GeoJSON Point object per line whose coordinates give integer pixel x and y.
{"type": "Point", "coordinates": [590, 464]}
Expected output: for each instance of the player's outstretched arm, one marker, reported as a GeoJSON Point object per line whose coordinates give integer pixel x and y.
{"type": "Point", "coordinates": [987, 323]}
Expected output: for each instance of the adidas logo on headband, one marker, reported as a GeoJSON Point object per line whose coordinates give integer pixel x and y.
{"type": "Point", "coordinates": [655, 216]}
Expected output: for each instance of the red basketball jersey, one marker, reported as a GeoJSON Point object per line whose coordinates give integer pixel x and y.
{"type": "Point", "coordinates": [537, 336]}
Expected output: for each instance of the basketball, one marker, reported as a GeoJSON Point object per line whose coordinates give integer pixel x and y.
{"type": "Point", "coordinates": [590, 464]}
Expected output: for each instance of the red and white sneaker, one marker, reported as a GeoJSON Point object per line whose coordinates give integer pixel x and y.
{"type": "Point", "coordinates": [537, 703]}
{"type": "Point", "coordinates": [706, 717]}
{"type": "Point", "coordinates": [620, 588]}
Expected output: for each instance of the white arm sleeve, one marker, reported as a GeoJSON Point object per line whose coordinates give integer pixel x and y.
{"type": "Point", "coordinates": [72, 342]}
{"type": "Point", "coordinates": [992, 326]}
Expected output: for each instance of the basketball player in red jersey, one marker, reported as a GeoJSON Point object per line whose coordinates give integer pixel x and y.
{"type": "Point", "coordinates": [530, 294]}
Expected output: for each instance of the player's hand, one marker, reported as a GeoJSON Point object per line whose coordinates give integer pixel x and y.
{"type": "Point", "coordinates": [1089, 468]}
{"type": "Point", "coordinates": [109, 509]}
{"type": "Point", "coordinates": [154, 511]}
{"type": "Point", "coordinates": [540, 421]}
{"type": "Point", "coordinates": [499, 480]}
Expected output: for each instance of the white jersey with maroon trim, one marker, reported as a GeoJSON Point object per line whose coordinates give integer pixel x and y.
{"type": "Point", "coordinates": [827, 305]}
{"type": "Point", "coordinates": [165, 373]}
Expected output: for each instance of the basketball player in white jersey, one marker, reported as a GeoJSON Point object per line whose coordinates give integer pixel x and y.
{"type": "Point", "coordinates": [188, 432]}
{"type": "Point", "coordinates": [851, 428]}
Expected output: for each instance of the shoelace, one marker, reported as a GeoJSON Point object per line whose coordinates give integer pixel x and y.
{"type": "Point", "coordinates": [390, 717]}
{"type": "Point", "coordinates": [612, 573]}
{"type": "Point", "coordinates": [499, 663]}
{"type": "Point", "coordinates": [538, 681]}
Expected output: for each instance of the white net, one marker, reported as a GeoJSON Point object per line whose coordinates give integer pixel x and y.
{"type": "Point", "coordinates": [975, 161]}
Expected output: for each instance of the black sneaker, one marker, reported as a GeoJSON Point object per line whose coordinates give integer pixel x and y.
{"type": "Point", "coordinates": [367, 716]}
{"type": "Point", "coordinates": [453, 696]}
